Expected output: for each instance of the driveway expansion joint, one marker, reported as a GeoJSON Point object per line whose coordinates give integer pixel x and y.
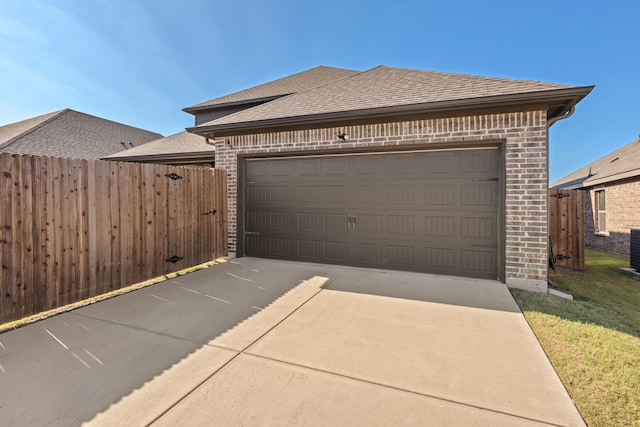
{"type": "Point", "coordinates": [391, 387]}
{"type": "Point", "coordinates": [238, 353]}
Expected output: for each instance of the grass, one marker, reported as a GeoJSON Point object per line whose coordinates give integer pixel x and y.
{"type": "Point", "coordinates": [593, 341]}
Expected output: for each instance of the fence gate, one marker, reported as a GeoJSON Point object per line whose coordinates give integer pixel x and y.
{"type": "Point", "coordinates": [566, 227]}
{"type": "Point", "coordinates": [73, 229]}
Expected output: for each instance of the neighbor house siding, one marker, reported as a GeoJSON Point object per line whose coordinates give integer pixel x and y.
{"type": "Point", "coordinates": [525, 149]}
{"type": "Point", "coordinates": [622, 214]}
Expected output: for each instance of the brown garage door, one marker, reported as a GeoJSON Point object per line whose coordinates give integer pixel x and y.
{"type": "Point", "coordinates": [426, 211]}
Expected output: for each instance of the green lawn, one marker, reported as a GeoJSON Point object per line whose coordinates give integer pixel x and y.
{"type": "Point", "coordinates": [594, 340]}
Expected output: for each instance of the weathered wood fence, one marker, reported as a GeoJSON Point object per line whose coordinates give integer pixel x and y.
{"type": "Point", "coordinates": [72, 229]}
{"type": "Point", "coordinates": [566, 227]}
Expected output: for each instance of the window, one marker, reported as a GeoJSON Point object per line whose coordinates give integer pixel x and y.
{"type": "Point", "coordinates": [601, 209]}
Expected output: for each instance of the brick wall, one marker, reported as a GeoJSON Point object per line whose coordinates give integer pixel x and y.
{"type": "Point", "coordinates": [525, 138]}
{"type": "Point", "coordinates": [622, 214]}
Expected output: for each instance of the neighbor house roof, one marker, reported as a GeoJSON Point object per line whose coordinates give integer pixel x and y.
{"type": "Point", "coordinates": [69, 133]}
{"type": "Point", "coordinates": [182, 147]}
{"type": "Point", "coordinates": [298, 82]}
{"type": "Point", "coordinates": [620, 164]}
{"type": "Point", "coordinates": [394, 91]}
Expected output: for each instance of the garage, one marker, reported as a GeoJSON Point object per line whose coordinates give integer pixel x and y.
{"type": "Point", "coordinates": [433, 211]}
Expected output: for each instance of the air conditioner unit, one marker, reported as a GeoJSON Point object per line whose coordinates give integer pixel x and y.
{"type": "Point", "coordinates": [634, 252]}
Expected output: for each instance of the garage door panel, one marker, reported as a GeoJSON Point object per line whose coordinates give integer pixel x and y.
{"type": "Point", "coordinates": [369, 253]}
{"type": "Point", "coordinates": [335, 166]}
{"type": "Point", "coordinates": [310, 194]}
{"type": "Point", "coordinates": [424, 211]}
{"type": "Point", "coordinates": [336, 250]}
{"type": "Point", "coordinates": [477, 262]}
{"type": "Point", "coordinates": [309, 249]}
{"type": "Point", "coordinates": [336, 194]}
{"type": "Point", "coordinates": [309, 221]}
{"type": "Point", "coordinates": [367, 224]}
{"type": "Point", "coordinates": [335, 222]}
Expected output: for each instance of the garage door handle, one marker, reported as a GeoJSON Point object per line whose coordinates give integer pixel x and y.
{"type": "Point", "coordinates": [251, 232]}
{"type": "Point", "coordinates": [351, 221]}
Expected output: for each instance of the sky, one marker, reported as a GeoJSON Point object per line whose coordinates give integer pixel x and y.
{"type": "Point", "coordinates": [140, 62]}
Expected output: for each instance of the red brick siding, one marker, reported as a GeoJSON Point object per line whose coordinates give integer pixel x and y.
{"type": "Point", "coordinates": [622, 214]}
{"type": "Point", "coordinates": [526, 153]}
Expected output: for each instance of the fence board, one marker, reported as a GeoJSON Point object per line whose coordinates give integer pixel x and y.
{"type": "Point", "coordinates": [72, 229]}
{"type": "Point", "coordinates": [566, 227]}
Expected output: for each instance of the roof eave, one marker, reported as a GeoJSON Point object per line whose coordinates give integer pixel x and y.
{"type": "Point", "coordinates": [198, 108]}
{"type": "Point", "coordinates": [615, 177]}
{"type": "Point", "coordinates": [563, 98]}
{"type": "Point", "coordinates": [181, 158]}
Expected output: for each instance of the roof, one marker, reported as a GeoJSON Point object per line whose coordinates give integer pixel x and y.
{"type": "Point", "coordinates": [619, 164]}
{"type": "Point", "coordinates": [176, 147]}
{"type": "Point", "coordinates": [69, 133]}
{"type": "Point", "coordinates": [298, 82]}
{"type": "Point", "coordinates": [386, 90]}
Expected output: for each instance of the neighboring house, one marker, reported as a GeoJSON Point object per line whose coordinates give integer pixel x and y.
{"type": "Point", "coordinates": [182, 148]}
{"type": "Point", "coordinates": [69, 133]}
{"type": "Point", "coordinates": [391, 168]}
{"type": "Point", "coordinates": [612, 186]}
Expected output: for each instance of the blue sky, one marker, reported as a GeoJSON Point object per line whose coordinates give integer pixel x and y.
{"type": "Point", "coordinates": [140, 62]}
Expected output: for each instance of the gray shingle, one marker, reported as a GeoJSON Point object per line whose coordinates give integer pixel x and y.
{"type": "Point", "coordinates": [287, 85]}
{"type": "Point", "coordinates": [69, 133]}
{"type": "Point", "coordinates": [383, 87]}
{"type": "Point", "coordinates": [181, 142]}
{"type": "Point", "coordinates": [621, 163]}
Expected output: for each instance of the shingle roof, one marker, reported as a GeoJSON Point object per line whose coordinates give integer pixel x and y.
{"type": "Point", "coordinates": [69, 133]}
{"type": "Point", "coordinates": [383, 88]}
{"type": "Point", "coordinates": [179, 143]}
{"type": "Point", "coordinates": [285, 86]}
{"type": "Point", "coordinates": [621, 163]}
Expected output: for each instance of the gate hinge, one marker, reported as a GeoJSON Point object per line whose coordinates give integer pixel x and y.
{"type": "Point", "coordinates": [561, 257]}
{"type": "Point", "coordinates": [211, 212]}
{"type": "Point", "coordinates": [173, 259]}
{"type": "Point", "coordinates": [173, 176]}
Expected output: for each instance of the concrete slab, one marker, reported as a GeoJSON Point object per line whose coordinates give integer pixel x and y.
{"type": "Point", "coordinates": [250, 330]}
{"type": "Point", "coordinates": [253, 391]}
{"type": "Point", "coordinates": [259, 342]}
{"type": "Point", "coordinates": [150, 401]}
{"type": "Point", "coordinates": [486, 358]}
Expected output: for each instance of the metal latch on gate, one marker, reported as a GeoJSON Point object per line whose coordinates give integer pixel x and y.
{"type": "Point", "coordinates": [173, 259]}
{"type": "Point", "coordinates": [560, 195]}
{"type": "Point", "coordinates": [173, 176]}
{"type": "Point", "coordinates": [561, 257]}
{"type": "Point", "coordinates": [211, 212]}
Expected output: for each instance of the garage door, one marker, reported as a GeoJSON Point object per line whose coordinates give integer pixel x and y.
{"type": "Point", "coordinates": [425, 211]}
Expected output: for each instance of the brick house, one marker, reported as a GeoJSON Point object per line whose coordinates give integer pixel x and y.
{"type": "Point", "coordinates": [391, 168]}
{"type": "Point", "coordinates": [612, 187]}
{"type": "Point", "coordinates": [70, 133]}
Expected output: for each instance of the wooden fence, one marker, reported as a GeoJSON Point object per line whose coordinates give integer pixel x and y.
{"type": "Point", "coordinates": [566, 227]}
{"type": "Point", "coordinates": [72, 229]}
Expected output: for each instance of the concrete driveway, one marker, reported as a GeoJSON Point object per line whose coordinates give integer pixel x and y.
{"type": "Point", "coordinates": [260, 342]}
